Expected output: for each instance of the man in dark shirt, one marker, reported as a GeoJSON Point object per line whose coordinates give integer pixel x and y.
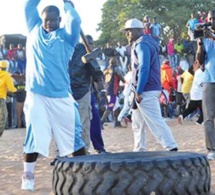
{"type": "Point", "coordinates": [82, 75]}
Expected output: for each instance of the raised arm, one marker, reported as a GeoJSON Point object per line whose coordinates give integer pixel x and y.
{"type": "Point", "coordinates": [73, 22]}
{"type": "Point", "coordinates": [200, 53]}
{"type": "Point", "coordinates": [31, 13]}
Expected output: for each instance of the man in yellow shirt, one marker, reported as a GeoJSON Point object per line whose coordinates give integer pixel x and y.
{"type": "Point", "coordinates": [6, 84]}
{"type": "Point", "coordinates": [187, 80]}
{"type": "Point", "coordinates": [179, 49]}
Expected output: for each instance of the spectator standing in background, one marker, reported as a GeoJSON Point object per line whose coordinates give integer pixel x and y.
{"type": "Point", "coordinates": [6, 85]}
{"type": "Point", "coordinates": [167, 83]}
{"type": "Point", "coordinates": [146, 84]}
{"type": "Point", "coordinates": [179, 96]}
{"type": "Point", "coordinates": [11, 53]}
{"type": "Point", "coordinates": [113, 75]}
{"type": "Point", "coordinates": [155, 28]}
{"type": "Point", "coordinates": [205, 55]}
{"type": "Point", "coordinates": [171, 52]}
{"type": "Point", "coordinates": [187, 80]}
{"type": "Point", "coordinates": [146, 25]}
{"type": "Point", "coordinates": [179, 51]}
{"type": "Point", "coordinates": [195, 95]}
{"type": "Point", "coordinates": [83, 77]}
{"type": "Point", "coordinates": [191, 23]}
{"type": "Point", "coordinates": [122, 57]}
{"type": "Point", "coordinates": [126, 98]}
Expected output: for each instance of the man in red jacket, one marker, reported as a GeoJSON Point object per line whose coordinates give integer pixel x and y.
{"type": "Point", "coordinates": [167, 83]}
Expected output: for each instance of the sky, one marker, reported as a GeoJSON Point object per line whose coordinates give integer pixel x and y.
{"type": "Point", "coordinates": [12, 17]}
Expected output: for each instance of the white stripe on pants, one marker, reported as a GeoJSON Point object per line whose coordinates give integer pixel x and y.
{"type": "Point", "coordinates": [149, 113]}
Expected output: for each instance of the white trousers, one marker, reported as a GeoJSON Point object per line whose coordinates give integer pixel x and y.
{"type": "Point", "coordinates": [52, 117]}
{"type": "Point", "coordinates": [148, 114]}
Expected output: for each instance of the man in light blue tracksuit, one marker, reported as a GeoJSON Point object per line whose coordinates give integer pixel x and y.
{"type": "Point", "coordinates": [50, 109]}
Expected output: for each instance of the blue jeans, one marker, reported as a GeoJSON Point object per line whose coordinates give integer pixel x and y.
{"type": "Point", "coordinates": [172, 60]}
{"type": "Point", "coordinates": [95, 127]}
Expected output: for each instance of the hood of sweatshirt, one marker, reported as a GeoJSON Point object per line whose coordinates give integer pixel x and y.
{"type": "Point", "coordinates": [2, 74]}
{"type": "Point", "coordinates": [151, 40]}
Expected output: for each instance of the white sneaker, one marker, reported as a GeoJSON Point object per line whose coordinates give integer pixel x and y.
{"type": "Point", "coordinates": [211, 156]}
{"type": "Point", "coordinates": [197, 123]}
{"type": "Point", "coordinates": [180, 119]}
{"type": "Point", "coordinates": [28, 181]}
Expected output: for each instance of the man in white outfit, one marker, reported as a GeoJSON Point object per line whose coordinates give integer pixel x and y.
{"type": "Point", "coordinates": [122, 58]}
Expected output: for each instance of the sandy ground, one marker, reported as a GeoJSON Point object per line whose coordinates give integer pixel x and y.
{"type": "Point", "coordinates": [189, 136]}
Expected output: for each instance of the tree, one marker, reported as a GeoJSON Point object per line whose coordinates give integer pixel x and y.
{"type": "Point", "coordinates": [172, 15]}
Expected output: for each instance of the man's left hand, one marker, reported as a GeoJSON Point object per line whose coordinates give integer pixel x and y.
{"type": "Point", "coordinates": [138, 98]}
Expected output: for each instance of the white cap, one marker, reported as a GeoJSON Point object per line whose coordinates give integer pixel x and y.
{"type": "Point", "coordinates": [133, 23]}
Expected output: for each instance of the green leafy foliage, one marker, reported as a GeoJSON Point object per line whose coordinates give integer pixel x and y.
{"type": "Point", "coordinates": [173, 14]}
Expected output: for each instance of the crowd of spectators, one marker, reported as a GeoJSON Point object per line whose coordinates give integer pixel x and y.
{"type": "Point", "coordinates": [15, 58]}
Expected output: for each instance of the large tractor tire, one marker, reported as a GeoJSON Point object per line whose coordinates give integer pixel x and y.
{"type": "Point", "coordinates": [133, 173]}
